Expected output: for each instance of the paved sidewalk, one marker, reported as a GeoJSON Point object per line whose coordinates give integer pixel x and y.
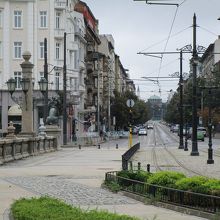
{"type": "Point", "coordinates": [75, 176]}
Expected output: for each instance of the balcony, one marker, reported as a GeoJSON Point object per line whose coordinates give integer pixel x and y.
{"type": "Point", "coordinates": [82, 65]}
{"type": "Point", "coordinates": [81, 88]}
{"type": "Point", "coordinates": [59, 33]}
{"type": "Point", "coordinates": [90, 67]}
{"type": "Point", "coordinates": [58, 63]}
{"type": "Point", "coordinates": [60, 4]}
{"type": "Point", "coordinates": [79, 33]}
{"type": "Point", "coordinates": [74, 98]}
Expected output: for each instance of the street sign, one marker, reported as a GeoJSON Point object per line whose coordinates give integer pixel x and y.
{"type": "Point", "coordinates": [130, 103]}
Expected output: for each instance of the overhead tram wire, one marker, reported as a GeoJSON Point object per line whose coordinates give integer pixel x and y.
{"type": "Point", "coordinates": [161, 41]}
{"type": "Point", "coordinates": [205, 29]}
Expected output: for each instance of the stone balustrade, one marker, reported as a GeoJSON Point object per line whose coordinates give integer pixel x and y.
{"type": "Point", "coordinates": [17, 148]}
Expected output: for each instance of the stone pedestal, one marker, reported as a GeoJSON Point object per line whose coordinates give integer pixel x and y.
{"type": "Point", "coordinates": [55, 131]}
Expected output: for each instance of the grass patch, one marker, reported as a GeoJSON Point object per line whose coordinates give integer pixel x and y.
{"type": "Point", "coordinates": [46, 208]}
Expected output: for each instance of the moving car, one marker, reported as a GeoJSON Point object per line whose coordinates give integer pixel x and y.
{"type": "Point", "coordinates": [142, 131]}
{"type": "Point", "coordinates": [150, 126]}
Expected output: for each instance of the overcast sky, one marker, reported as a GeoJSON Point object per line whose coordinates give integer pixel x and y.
{"type": "Point", "coordinates": [138, 27]}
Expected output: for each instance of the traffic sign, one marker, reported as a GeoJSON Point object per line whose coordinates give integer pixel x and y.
{"type": "Point", "coordinates": [130, 103]}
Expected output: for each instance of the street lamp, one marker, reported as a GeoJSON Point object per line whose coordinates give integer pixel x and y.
{"type": "Point", "coordinates": [43, 84]}
{"type": "Point", "coordinates": [210, 150]}
{"type": "Point", "coordinates": [11, 84]}
{"type": "Point", "coordinates": [64, 94]}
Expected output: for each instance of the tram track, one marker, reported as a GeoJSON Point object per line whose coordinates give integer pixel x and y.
{"type": "Point", "coordinates": [169, 153]}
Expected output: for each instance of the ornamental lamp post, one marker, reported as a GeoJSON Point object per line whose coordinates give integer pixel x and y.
{"type": "Point", "coordinates": [43, 84]}
{"type": "Point", "coordinates": [11, 84]}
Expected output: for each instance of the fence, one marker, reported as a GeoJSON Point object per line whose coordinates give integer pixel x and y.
{"type": "Point", "coordinates": [128, 154]}
{"type": "Point", "coordinates": [14, 149]}
{"type": "Point", "coordinates": [197, 201]}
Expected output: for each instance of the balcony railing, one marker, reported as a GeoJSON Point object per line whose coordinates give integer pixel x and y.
{"type": "Point", "coordinates": [60, 4]}
{"type": "Point", "coordinates": [58, 62]}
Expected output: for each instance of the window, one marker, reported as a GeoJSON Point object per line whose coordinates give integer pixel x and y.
{"type": "Point", "coordinates": [75, 60]}
{"type": "Point", "coordinates": [58, 20]}
{"type": "Point", "coordinates": [1, 18]}
{"type": "Point", "coordinates": [73, 84]}
{"type": "Point", "coordinates": [57, 55]}
{"type": "Point", "coordinates": [17, 19]}
{"type": "Point", "coordinates": [17, 76]}
{"type": "Point", "coordinates": [1, 55]}
{"type": "Point", "coordinates": [17, 50]}
{"type": "Point", "coordinates": [43, 19]}
{"type": "Point", "coordinates": [57, 80]}
{"type": "Point", "coordinates": [41, 52]}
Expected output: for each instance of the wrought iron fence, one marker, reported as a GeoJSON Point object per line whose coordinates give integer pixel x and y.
{"type": "Point", "coordinates": [202, 202]}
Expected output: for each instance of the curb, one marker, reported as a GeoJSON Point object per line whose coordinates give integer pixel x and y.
{"type": "Point", "coordinates": [176, 208]}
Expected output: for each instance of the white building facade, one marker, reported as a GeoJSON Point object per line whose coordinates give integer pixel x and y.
{"type": "Point", "coordinates": [24, 24]}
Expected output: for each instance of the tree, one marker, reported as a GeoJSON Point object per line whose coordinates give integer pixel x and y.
{"type": "Point", "coordinates": [120, 110]}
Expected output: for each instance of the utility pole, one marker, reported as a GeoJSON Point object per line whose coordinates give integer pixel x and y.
{"type": "Point", "coordinates": [64, 94]}
{"type": "Point", "coordinates": [210, 150]}
{"type": "Point", "coordinates": [98, 95]}
{"type": "Point", "coordinates": [181, 146]}
{"type": "Point", "coordinates": [194, 151]}
{"type": "Point", "coordinates": [46, 77]}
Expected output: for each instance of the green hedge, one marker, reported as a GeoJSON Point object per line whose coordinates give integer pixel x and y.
{"type": "Point", "coordinates": [140, 175]}
{"type": "Point", "coordinates": [46, 208]}
{"type": "Point", "coordinates": [165, 178]}
{"type": "Point", "coordinates": [175, 180]}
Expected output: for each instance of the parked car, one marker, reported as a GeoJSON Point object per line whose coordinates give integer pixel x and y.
{"type": "Point", "coordinates": [142, 131]}
{"type": "Point", "coordinates": [203, 130]}
{"type": "Point", "coordinates": [184, 132]}
{"type": "Point", "coordinates": [174, 128]}
{"type": "Point", "coordinates": [134, 130]}
{"type": "Point", "coordinates": [200, 134]}
{"type": "Point", "coordinates": [123, 134]}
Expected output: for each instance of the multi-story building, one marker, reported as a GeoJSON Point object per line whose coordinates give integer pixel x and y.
{"type": "Point", "coordinates": [210, 59]}
{"type": "Point", "coordinates": [93, 79]}
{"type": "Point", "coordinates": [107, 49]}
{"type": "Point", "coordinates": [23, 26]}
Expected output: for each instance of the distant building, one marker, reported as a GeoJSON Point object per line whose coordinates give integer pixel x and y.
{"type": "Point", "coordinates": [156, 107]}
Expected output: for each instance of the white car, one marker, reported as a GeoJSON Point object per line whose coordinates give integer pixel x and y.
{"type": "Point", "coordinates": [142, 131]}
{"type": "Point", "coordinates": [150, 126]}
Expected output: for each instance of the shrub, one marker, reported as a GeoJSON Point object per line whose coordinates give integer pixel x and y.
{"type": "Point", "coordinates": [141, 175]}
{"type": "Point", "coordinates": [213, 186]}
{"type": "Point", "coordinates": [194, 184]}
{"type": "Point", "coordinates": [113, 186]}
{"type": "Point", "coordinates": [165, 178]}
{"type": "Point", "coordinates": [48, 208]}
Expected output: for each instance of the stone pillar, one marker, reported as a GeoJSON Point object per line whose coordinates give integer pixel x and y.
{"type": "Point", "coordinates": [55, 131]}
{"type": "Point", "coordinates": [11, 131]}
{"type": "Point", "coordinates": [27, 105]}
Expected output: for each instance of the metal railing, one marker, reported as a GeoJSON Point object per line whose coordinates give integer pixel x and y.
{"type": "Point", "coordinates": [128, 154]}
{"type": "Point", "coordinates": [197, 201]}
